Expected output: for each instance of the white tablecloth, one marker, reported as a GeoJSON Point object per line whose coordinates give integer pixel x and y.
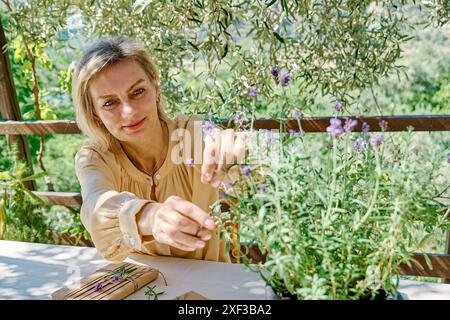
{"type": "Point", "coordinates": [35, 271]}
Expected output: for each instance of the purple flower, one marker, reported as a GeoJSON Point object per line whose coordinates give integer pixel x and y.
{"type": "Point", "coordinates": [291, 132]}
{"type": "Point", "coordinates": [359, 144]}
{"type": "Point", "coordinates": [253, 91]}
{"type": "Point", "coordinates": [208, 127]}
{"type": "Point", "coordinates": [383, 125]}
{"type": "Point", "coordinates": [337, 132]}
{"type": "Point", "coordinates": [247, 170]}
{"type": "Point", "coordinates": [275, 73]}
{"type": "Point", "coordinates": [229, 184]}
{"type": "Point", "coordinates": [335, 129]}
{"type": "Point", "coordinates": [262, 187]}
{"type": "Point", "coordinates": [339, 106]}
{"type": "Point", "coordinates": [448, 158]}
{"type": "Point", "coordinates": [239, 119]}
{"type": "Point", "coordinates": [189, 162]}
{"type": "Point", "coordinates": [285, 78]}
{"type": "Point", "coordinates": [335, 122]}
{"type": "Point", "coordinates": [365, 127]}
{"type": "Point", "coordinates": [376, 141]}
{"type": "Point", "coordinates": [116, 277]}
{"type": "Point", "coordinates": [98, 287]}
{"type": "Point", "coordinates": [330, 145]}
{"type": "Point", "coordinates": [297, 115]}
{"type": "Point", "coordinates": [350, 124]}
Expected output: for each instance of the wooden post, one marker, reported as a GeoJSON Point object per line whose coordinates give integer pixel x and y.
{"type": "Point", "coordinates": [9, 106]}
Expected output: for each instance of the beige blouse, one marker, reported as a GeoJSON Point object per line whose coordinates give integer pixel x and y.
{"type": "Point", "coordinates": [114, 191]}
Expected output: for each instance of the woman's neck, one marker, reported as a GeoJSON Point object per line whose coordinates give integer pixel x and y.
{"type": "Point", "coordinates": [149, 159]}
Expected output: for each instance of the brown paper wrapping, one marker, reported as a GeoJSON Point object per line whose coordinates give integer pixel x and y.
{"type": "Point", "coordinates": [111, 290]}
{"type": "Point", "coordinates": [191, 295]}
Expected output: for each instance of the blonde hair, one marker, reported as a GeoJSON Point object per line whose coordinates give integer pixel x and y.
{"type": "Point", "coordinates": [97, 57]}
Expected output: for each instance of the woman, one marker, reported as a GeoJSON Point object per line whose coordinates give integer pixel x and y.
{"type": "Point", "coordinates": [136, 196]}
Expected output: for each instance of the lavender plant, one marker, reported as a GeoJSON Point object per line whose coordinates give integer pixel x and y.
{"type": "Point", "coordinates": [335, 222]}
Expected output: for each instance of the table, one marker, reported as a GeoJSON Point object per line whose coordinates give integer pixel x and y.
{"type": "Point", "coordinates": [35, 271]}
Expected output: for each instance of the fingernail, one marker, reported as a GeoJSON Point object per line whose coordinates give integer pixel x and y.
{"type": "Point", "coordinates": [209, 223]}
{"type": "Point", "coordinates": [206, 237]}
{"type": "Point", "coordinates": [215, 183]}
{"type": "Point", "coordinates": [200, 244]}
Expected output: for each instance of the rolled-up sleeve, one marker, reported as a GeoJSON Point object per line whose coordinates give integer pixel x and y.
{"type": "Point", "coordinates": [108, 215]}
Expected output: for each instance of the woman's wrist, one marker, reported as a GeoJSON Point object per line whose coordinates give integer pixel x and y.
{"type": "Point", "coordinates": [145, 218]}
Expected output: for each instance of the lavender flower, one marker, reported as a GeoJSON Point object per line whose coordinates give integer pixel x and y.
{"type": "Point", "coordinates": [262, 187]}
{"type": "Point", "coordinates": [253, 91]}
{"type": "Point", "coordinates": [335, 129]}
{"type": "Point", "coordinates": [98, 287]}
{"type": "Point", "coordinates": [291, 132]}
{"type": "Point", "coordinates": [275, 73]}
{"type": "Point", "coordinates": [247, 170]}
{"type": "Point", "coordinates": [330, 145]}
{"type": "Point", "coordinates": [116, 277]}
{"type": "Point", "coordinates": [376, 141]}
{"type": "Point", "coordinates": [350, 124]}
{"type": "Point", "coordinates": [189, 162]}
{"type": "Point", "coordinates": [448, 158]}
{"type": "Point", "coordinates": [383, 124]}
{"type": "Point", "coordinates": [239, 119]}
{"type": "Point", "coordinates": [359, 144]}
{"type": "Point", "coordinates": [297, 115]}
{"type": "Point", "coordinates": [339, 106]}
{"type": "Point", "coordinates": [301, 133]}
{"type": "Point", "coordinates": [286, 78]}
{"type": "Point", "coordinates": [208, 128]}
{"type": "Point", "coordinates": [335, 122]}
{"type": "Point", "coordinates": [229, 184]}
{"type": "Point", "coordinates": [365, 127]}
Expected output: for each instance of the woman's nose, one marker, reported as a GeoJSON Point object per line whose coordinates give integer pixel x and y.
{"type": "Point", "coordinates": [127, 108]}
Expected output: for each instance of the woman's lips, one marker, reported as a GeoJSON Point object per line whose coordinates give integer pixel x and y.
{"type": "Point", "coordinates": [135, 125]}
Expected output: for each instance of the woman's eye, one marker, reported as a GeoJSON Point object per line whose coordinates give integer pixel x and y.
{"type": "Point", "coordinates": [108, 104]}
{"type": "Point", "coordinates": [138, 91]}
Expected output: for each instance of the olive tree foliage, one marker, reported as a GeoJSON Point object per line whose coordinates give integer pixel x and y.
{"type": "Point", "coordinates": [211, 52]}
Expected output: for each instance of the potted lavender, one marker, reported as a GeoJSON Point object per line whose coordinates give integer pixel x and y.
{"type": "Point", "coordinates": [334, 215]}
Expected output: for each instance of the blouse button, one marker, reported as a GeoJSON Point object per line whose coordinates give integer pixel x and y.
{"type": "Point", "coordinates": [157, 177]}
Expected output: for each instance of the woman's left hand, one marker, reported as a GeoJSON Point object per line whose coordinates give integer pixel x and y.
{"type": "Point", "coordinates": [223, 148]}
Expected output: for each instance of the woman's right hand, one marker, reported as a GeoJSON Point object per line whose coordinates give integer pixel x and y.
{"type": "Point", "coordinates": [176, 222]}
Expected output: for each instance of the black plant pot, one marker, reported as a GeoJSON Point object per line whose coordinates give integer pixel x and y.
{"type": "Point", "coordinates": [270, 294]}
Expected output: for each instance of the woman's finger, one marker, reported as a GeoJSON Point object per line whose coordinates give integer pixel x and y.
{"type": "Point", "coordinates": [204, 234]}
{"type": "Point", "coordinates": [191, 211]}
{"type": "Point", "coordinates": [186, 225]}
{"type": "Point", "coordinates": [239, 150]}
{"type": "Point", "coordinates": [181, 238]}
{"type": "Point", "coordinates": [211, 154]}
{"type": "Point", "coordinates": [226, 149]}
{"type": "Point", "coordinates": [165, 239]}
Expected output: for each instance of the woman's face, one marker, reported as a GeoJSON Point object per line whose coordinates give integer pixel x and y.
{"type": "Point", "coordinates": [125, 101]}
